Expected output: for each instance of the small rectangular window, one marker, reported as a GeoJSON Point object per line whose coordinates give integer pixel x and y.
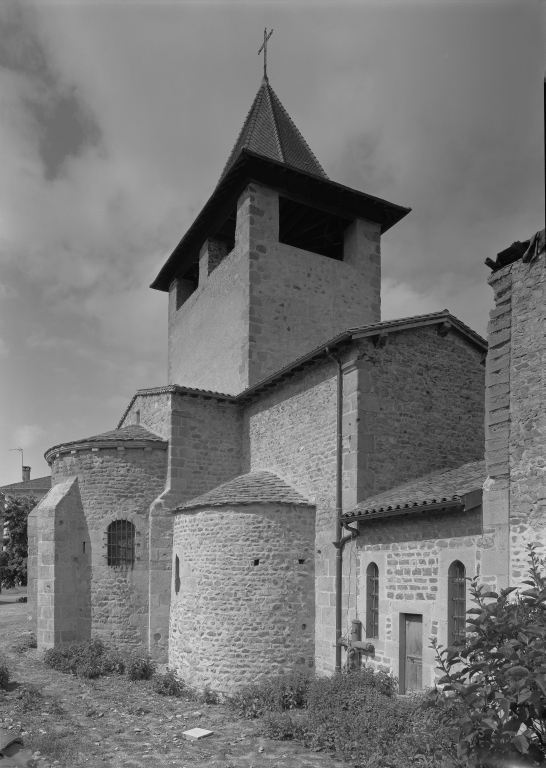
{"type": "Point", "coordinates": [176, 574]}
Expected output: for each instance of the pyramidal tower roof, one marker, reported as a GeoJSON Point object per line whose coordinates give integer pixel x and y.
{"type": "Point", "coordinates": [269, 131]}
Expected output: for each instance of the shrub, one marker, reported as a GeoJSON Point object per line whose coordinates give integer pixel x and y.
{"type": "Point", "coordinates": [89, 658]}
{"type": "Point", "coordinates": [140, 668]}
{"type": "Point", "coordinates": [274, 694]}
{"type": "Point", "coordinates": [169, 685]}
{"type": "Point", "coordinates": [357, 716]}
{"type": "Point", "coordinates": [354, 714]}
{"type": "Point", "coordinates": [4, 676]}
{"type": "Point", "coordinates": [208, 696]}
{"type": "Point", "coordinates": [494, 686]}
{"type": "Point", "coordinates": [28, 640]}
{"type": "Point", "coordinates": [29, 697]}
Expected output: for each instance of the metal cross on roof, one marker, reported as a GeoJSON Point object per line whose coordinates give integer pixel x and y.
{"type": "Point", "coordinates": [264, 49]}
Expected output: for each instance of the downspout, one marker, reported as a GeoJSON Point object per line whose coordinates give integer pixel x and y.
{"type": "Point", "coordinates": [339, 542]}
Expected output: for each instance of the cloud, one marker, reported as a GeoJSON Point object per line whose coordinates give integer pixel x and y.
{"type": "Point", "coordinates": [27, 435]}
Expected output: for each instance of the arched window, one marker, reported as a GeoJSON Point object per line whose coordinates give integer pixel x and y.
{"type": "Point", "coordinates": [372, 601]}
{"type": "Point", "coordinates": [176, 574]}
{"type": "Point", "coordinates": [121, 543]}
{"type": "Point", "coordinates": [456, 598]}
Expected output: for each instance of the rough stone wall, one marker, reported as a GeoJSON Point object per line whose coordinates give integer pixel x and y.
{"type": "Point", "coordinates": [62, 589]}
{"type": "Point", "coordinates": [515, 495]}
{"type": "Point", "coordinates": [204, 451]}
{"type": "Point", "coordinates": [410, 407]}
{"type": "Point", "coordinates": [152, 411]}
{"type": "Point", "coordinates": [496, 504]}
{"type": "Point", "coordinates": [117, 484]}
{"type": "Point", "coordinates": [267, 303]}
{"type": "Point", "coordinates": [528, 411]}
{"type": "Point", "coordinates": [420, 401]}
{"type": "Point", "coordinates": [207, 332]}
{"type": "Point", "coordinates": [413, 577]}
{"type": "Point", "coordinates": [245, 609]}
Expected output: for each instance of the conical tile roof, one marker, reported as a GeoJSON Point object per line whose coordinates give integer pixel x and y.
{"type": "Point", "coordinates": [269, 131]}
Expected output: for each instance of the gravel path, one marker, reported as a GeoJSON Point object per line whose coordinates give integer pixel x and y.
{"type": "Point", "coordinates": [110, 721]}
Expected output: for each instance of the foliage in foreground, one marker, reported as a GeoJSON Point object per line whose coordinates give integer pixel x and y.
{"type": "Point", "coordinates": [89, 658]}
{"type": "Point", "coordinates": [4, 676]}
{"type": "Point", "coordinates": [494, 687]}
{"type": "Point", "coordinates": [13, 560]}
{"type": "Point", "coordinates": [355, 715]}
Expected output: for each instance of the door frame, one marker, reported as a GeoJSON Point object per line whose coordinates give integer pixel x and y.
{"type": "Point", "coordinates": [402, 649]}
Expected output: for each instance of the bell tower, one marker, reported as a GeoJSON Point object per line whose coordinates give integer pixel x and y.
{"type": "Point", "coordinates": [279, 261]}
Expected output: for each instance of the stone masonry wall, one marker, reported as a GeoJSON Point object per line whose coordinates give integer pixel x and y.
{"type": "Point", "coordinates": [420, 402]}
{"type": "Point", "coordinates": [528, 412]}
{"type": "Point", "coordinates": [117, 484]}
{"type": "Point", "coordinates": [204, 451]}
{"type": "Point", "coordinates": [515, 495]}
{"type": "Point", "coordinates": [60, 567]}
{"type": "Point", "coordinates": [410, 407]}
{"type": "Point", "coordinates": [245, 609]}
{"type": "Point", "coordinates": [413, 576]}
{"type": "Point", "coordinates": [496, 503]}
{"type": "Point", "coordinates": [267, 303]}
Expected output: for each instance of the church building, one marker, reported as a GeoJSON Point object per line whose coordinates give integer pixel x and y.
{"type": "Point", "coordinates": [201, 528]}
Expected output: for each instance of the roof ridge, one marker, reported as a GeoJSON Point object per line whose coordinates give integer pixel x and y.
{"type": "Point", "coordinates": [263, 132]}
{"type": "Point", "coordinates": [279, 105]}
{"type": "Point", "coordinates": [269, 91]}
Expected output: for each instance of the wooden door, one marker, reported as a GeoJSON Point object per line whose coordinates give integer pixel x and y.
{"type": "Point", "coordinates": [411, 652]}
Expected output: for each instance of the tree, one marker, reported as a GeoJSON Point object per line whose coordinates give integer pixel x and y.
{"type": "Point", "coordinates": [13, 564]}
{"type": "Point", "coordinates": [494, 685]}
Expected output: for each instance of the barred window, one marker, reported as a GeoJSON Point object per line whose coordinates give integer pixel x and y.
{"type": "Point", "coordinates": [372, 601]}
{"type": "Point", "coordinates": [121, 543]}
{"type": "Point", "coordinates": [456, 597]}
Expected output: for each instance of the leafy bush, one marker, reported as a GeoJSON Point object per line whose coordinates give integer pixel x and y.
{"type": "Point", "coordinates": [169, 685]}
{"type": "Point", "coordinates": [140, 668]}
{"type": "Point", "coordinates": [494, 687]}
{"type": "Point", "coordinates": [13, 560]}
{"type": "Point", "coordinates": [89, 658]}
{"type": "Point", "coordinates": [4, 676]}
{"type": "Point", "coordinates": [273, 694]}
{"type": "Point", "coordinates": [357, 716]}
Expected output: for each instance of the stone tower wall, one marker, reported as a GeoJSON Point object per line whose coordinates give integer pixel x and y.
{"type": "Point", "coordinates": [514, 494]}
{"type": "Point", "coordinates": [117, 483]}
{"type": "Point", "coordinates": [267, 303]}
{"type": "Point", "coordinates": [245, 608]}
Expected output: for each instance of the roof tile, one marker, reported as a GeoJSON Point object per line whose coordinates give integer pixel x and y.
{"type": "Point", "coordinates": [269, 131]}
{"type": "Point", "coordinates": [445, 485]}
{"type": "Point", "coordinates": [253, 488]}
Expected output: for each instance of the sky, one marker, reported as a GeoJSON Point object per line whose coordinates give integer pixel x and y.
{"type": "Point", "coordinates": [116, 119]}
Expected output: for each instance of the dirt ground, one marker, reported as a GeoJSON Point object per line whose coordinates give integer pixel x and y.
{"type": "Point", "coordinates": [111, 721]}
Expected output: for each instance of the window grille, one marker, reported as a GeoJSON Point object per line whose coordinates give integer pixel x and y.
{"type": "Point", "coordinates": [121, 543]}
{"type": "Point", "coordinates": [372, 601]}
{"type": "Point", "coordinates": [456, 603]}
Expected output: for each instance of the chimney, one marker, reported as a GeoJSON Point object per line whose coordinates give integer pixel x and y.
{"type": "Point", "coordinates": [26, 474]}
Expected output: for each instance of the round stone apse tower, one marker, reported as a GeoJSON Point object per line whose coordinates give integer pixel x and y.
{"type": "Point", "coordinates": [89, 540]}
{"type": "Point", "coordinates": [243, 603]}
